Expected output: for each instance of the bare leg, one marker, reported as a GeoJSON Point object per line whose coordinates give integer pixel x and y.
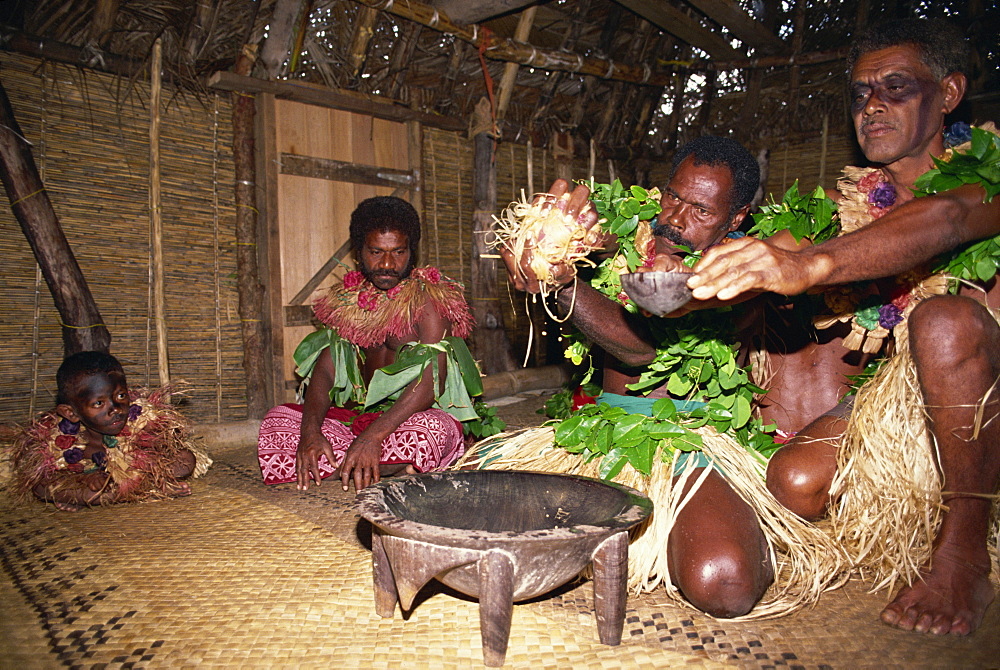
{"type": "Point", "coordinates": [718, 555]}
{"type": "Point", "coordinates": [956, 348]}
{"type": "Point", "coordinates": [800, 473]}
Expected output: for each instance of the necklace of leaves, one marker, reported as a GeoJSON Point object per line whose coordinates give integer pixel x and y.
{"type": "Point", "coordinates": [696, 353]}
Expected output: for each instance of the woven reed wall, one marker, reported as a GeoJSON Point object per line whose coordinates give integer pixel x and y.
{"type": "Point", "coordinates": [93, 155]}
{"type": "Point", "coordinates": [803, 160]}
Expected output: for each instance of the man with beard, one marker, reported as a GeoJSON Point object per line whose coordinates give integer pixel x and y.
{"type": "Point", "coordinates": [370, 316]}
{"type": "Point", "coordinates": [905, 76]}
{"type": "Point", "coordinates": [717, 553]}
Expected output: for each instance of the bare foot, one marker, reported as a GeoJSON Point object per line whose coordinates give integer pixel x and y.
{"type": "Point", "coordinates": [65, 506]}
{"type": "Point", "coordinates": [951, 597]}
{"type": "Point", "coordinates": [177, 490]}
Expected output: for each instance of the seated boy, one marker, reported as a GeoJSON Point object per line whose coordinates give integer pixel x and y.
{"type": "Point", "coordinates": [102, 444]}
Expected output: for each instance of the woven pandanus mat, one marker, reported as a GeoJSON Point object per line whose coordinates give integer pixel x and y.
{"type": "Point", "coordinates": [242, 575]}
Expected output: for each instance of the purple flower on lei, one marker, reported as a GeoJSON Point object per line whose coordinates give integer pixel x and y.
{"type": "Point", "coordinates": [134, 411]}
{"type": "Point", "coordinates": [100, 458]}
{"type": "Point", "coordinates": [956, 134]}
{"type": "Point", "coordinates": [883, 195]}
{"type": "Point", "coordinates": [889, 316]}
{"type": "Point", "coordinates": [73, 455]}
{"type": "Point", "coordinates": [67, 427]}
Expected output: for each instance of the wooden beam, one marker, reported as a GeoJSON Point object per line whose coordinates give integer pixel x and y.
{"type": "Point", "coordinates": [156, 216]}
{"type": "Point", "coordinates": [318, 278]}
{"type": "Point", "coordinates": [475, 11]}
{"type": "Point", "coordinates": [810, 58]}
{"type": "Point", "coordinates": [102, 21]}
{"type": "Point", "coordinates": [325, 168]}
{"type": "Point", "coordinates": [326, 97]}
{"type": "Point", "coordinates": [102, 61]}
{"type": "Point", "coordinates": [364, 29]}
{"type": "Point", "coordinates": [83, 328]}
{"type": "Point", "coordinates": [510, 69]}
{"type": "Point", "coordinates": [500, 48]}
{"type": "Point", "coordinates": [668, 17]}
{"type": "Point", "coordinates": [749, 30]}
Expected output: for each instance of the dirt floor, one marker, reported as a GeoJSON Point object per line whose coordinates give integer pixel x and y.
{"type": "Point", "coordinates": [243, 575]}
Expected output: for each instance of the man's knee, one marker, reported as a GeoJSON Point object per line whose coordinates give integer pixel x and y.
{"type": "Point", "coordinates": [727, 584]}
{"type": "Point", "coordinates": [799, 477]}
{"type": "Point", "coordinates": [952, 327]}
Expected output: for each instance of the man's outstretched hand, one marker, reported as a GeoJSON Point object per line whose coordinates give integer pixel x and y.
{"type": "Point", "coordinates": [361, 464]}
{"type": "Point", "coordinates": [749, 264]}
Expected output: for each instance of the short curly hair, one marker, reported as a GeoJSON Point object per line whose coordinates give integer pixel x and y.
{"type": "Point", "coordinates": [712, 150]}
{"type": "Point", "coordinates": [384, 213]}
{"type": "Point", "coordinates": [82, 364]}
{"type": "Point", "coordinates": [943, 48]}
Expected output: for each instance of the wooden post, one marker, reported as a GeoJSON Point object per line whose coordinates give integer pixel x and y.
{"type": "Point", "coordinates": [489, 340]}
{"type": "Point", "coordinates": [83, 328]}
{"type": "Point", "coordinates": [156, 217]}
{"type": "Point", "coordinates": [251, 292]}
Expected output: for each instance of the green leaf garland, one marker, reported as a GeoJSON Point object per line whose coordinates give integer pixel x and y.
{"type": "Point", "coordinates": [980, 164]}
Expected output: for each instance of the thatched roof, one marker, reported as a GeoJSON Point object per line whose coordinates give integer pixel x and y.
{"type": "Point", "coordinates": [634, 76]}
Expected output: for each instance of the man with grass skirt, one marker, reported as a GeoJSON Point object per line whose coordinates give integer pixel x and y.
{"type": "Point", "coordinates": [710, 547]}
{"type": "Point", "coordinates": [922, 440]}
{"type": "Point", "coordinates": [391, 348]}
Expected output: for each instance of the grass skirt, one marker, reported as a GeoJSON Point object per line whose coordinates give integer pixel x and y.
{"type": "Point", "coordinates": [888, 490]}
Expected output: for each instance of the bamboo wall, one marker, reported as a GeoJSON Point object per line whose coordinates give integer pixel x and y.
{"type": "Point", "coordinates": [92, 151]}
{"type": "Point", "coordinates": [806, 160]}
{"type": "Point", "coordinates": [93, 154]}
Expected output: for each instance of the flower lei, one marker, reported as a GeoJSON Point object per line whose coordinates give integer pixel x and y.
{"type": "Point", "coordinates": [367, 316]}
{"type": "Point", "coordinates": [68, 439]}
{"type": "Point", "coordinates": [868, 196]}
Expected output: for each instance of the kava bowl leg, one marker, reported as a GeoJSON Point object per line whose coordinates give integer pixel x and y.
{"type": "Point", "coordinates": [610, 583]}
{"type": "Point", "coordinates": [496, 604]}
{"type": "Point", "coordinates": [385, 584]}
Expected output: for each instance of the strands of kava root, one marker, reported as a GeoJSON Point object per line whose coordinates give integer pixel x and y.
{"type": "Point", "coordinates": [550, 238]}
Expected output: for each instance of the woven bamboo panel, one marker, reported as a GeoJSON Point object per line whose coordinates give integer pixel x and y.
{"type": "Point", "coordinates": [804, 160]}
{"type": "Point", "coordinates": [91, 141]}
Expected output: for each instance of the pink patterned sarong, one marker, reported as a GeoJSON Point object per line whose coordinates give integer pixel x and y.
{"type": "Point", "coordinates": [428, 440]}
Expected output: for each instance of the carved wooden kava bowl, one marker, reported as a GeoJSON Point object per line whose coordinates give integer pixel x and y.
{"type": "Point", "coordinates": [502, 537]}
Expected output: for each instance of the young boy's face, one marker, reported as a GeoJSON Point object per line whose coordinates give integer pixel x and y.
{"type": "Point", "coordinates": [99, 402]}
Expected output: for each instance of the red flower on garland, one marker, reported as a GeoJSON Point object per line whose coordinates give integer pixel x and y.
{"type": "Point", "coordinates": [65, 441]}
{"type": "Point", "coordinates": [353, 279]}
{"type": "Point", "coordinates": [432, 275]}
{"type": "Point", "coordinates": [368, 301]}
{"type": "Point", "coordinates": [394, 291]}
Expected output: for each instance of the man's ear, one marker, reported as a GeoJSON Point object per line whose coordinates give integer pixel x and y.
{"type": "Point", "coordinates": [67, 412]}
{"type": "Point", "coordinates": [953, 87]}
{"type": "Point", "coordinates": [738, 218]}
